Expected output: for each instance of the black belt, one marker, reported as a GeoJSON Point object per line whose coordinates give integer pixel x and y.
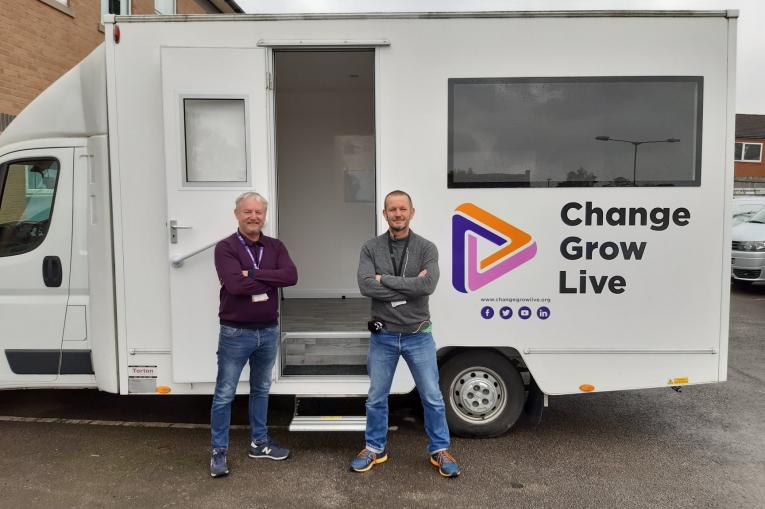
{"type": "Point", "coordinates": [249, 325]}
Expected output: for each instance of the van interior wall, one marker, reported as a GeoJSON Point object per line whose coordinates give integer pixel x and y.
{"type": "Point", "coordinates": [326, 166]}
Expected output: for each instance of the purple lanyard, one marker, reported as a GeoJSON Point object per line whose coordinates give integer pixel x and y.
{"type": "Point", "coordinates": [255, 264]}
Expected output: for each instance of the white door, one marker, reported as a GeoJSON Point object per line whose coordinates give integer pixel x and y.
{"type": "Point", "coordinates": [35, 253]}
{"type": "Point", "coordinates": [215, 115]}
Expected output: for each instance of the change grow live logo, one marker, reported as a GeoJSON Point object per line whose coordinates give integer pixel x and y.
{"type": "Point", "coordinates": [515, 247]}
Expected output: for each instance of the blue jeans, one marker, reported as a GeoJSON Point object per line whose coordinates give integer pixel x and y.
{"type": "Point", "coordinates": [419, 352]}
{"type": "Point", "coordinates": [235, 348]}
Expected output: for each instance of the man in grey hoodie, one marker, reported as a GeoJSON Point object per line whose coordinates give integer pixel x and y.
{"type": "Point", "coordinates": [398, 270]}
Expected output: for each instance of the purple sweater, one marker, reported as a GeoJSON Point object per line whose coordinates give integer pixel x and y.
{"type": "Point", "coordinates": [276, 271]}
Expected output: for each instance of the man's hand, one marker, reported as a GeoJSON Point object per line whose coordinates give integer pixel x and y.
{"type": "Point", "coordinates": [423, 273]}
{"type": "Point", "coordinates": [378, 278]}
{"type": "Point", "coordinates": [245, 272]}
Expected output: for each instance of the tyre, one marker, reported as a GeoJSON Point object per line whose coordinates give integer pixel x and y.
{"type": "Point", "coordinates": [483, 393]}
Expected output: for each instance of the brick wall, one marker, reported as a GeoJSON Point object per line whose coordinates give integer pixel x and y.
{"type": "Point", "coordinates": [39, 43]}
{"type": "Point", "coordinates": [194, 7]}
{"type": "Point", "coordinates": [15, 198]}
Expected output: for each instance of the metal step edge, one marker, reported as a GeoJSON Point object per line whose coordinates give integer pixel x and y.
{"type": "Point", "coordinates": [326, 334]}
{"type": "Point", "coordinates": [328, 423]}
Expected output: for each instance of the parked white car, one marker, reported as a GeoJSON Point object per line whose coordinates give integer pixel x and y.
{"type": "Point", "coordinates": [744, 208]}
{"type": "Point", "coordinates": [748, 258]}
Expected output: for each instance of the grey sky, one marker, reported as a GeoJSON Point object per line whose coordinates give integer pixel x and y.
{"type": "Point", "coordinates": [751, 36]}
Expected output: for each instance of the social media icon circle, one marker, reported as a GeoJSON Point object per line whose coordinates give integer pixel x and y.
{"type": "Point", "coordinates": [524, 313]}
{"type": "Point", "coordinates": [543, 313]}
{"type": "Point", "coordinates": [487, 312]}
{"type": "Point", "coordinates": [505, 312]}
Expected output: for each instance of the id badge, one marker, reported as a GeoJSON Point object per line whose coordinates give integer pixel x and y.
{"type": "Point", "coordinates": [397, 303]}
{"type": "Point", "coordinates": [261, 297]}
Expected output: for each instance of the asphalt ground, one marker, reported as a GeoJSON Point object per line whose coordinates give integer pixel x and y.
{"type": "Point", "coordinates": [702, 447]}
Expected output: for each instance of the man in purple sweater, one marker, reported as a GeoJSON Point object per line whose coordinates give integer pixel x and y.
{"type": "Point", "coordinates": [251, 267]}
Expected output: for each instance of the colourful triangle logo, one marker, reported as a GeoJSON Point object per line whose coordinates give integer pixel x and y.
{"type": "Point", "coordinates": [469, 223]}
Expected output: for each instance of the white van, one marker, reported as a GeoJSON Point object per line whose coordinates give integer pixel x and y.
{"type": "Point", "coordinates": [574, 170]}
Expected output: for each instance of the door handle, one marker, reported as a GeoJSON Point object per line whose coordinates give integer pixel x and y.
{"type": "Point", "coordinates": [51, 270]}
{"type": "Point", "coordinates": [174, 227]}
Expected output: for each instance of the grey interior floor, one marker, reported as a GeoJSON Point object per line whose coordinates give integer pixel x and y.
{"type": "Point", "coordinates": [324, 315]}
{"type": "Point", "coordinates": [311, 355]}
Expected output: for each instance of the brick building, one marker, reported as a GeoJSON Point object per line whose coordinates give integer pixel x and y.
{"type": "Point", "coordinates": [42, 39]}
{"type": "Point", "coordinates": [749, 160]}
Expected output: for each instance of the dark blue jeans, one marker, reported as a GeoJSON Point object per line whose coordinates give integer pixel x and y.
{"type": "Point", "coordinates": [419, 352]}
{"type": "Point", "coordinates": [235, 348]}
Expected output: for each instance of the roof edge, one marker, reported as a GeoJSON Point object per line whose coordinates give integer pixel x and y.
{"type": "Point", "coordinates": [423, 15]}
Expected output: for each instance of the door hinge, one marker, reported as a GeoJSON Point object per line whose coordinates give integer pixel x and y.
{"type": "Point", "coordinates": [269, 81]}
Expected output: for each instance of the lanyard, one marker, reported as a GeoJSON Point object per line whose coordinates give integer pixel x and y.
{"type": "Point", "coordinates": [396, 271]}
{"type": "Point", "coordinates": [255, 264]}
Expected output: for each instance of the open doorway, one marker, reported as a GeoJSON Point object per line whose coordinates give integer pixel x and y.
{"type": "Point", "coordinates": [325, 147]}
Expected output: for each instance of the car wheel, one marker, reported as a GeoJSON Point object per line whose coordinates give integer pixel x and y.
{"type": "Point", "coordinates": [483, 393]}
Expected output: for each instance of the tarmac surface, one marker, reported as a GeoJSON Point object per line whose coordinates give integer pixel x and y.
{"type": "Point", "coordinates": [702, 447]}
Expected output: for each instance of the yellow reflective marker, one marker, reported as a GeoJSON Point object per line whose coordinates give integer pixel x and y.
{"type": "Point", "coordinates": [680, 380]}
{"type": "Point", "coordinates": [586, 387]}
{"type": "Point", "coordinates": [163, 389]}
{"type": "Point", "coordinates": [332, 417]}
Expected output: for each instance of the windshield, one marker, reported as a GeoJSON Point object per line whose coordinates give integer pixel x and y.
{"type": "Point", "coordinates": [743, 213]}
{"type": "Point", "coordinates": [758, 217]}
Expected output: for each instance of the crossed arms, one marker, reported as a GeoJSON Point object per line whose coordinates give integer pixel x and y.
{"type": "Point", "coordinates": [390, 288]}
{"type": "Point", "coordinates": [238, 282]}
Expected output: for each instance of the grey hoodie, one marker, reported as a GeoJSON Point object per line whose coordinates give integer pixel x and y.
{"type": "Point", "coordinates": [376, 259]}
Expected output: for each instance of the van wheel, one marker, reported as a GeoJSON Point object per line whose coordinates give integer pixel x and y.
{"type": "Point", "coordinates": [483, 393]}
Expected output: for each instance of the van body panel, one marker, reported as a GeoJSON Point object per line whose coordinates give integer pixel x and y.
{"type": "Point", "coordinates": [641, 338]}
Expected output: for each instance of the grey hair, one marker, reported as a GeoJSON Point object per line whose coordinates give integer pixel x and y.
{"type": "Point", "coordinates": [251, 194]}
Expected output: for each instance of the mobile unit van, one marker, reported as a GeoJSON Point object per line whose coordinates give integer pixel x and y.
{"type": "Point", "coordinates": [574, 170]}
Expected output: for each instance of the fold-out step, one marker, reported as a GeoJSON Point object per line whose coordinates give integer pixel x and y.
{"type": "Point", "coordinates": [329, 423]}
{"type": "Point", "coordinates": [328, 414]}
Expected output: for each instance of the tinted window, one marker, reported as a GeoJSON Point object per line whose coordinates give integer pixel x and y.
{"type": "Point", "coordinates": [758, 217]}
{"type": "Point", "coordinates": [26, 204]}
{"type": "Point", "coordinates": [575, 132]}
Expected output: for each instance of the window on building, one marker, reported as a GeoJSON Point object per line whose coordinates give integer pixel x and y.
{"type": "Point", "coordinates": [575, 132]}
{"type": "Point", "coordinates": [119, 7]}
{"type": "Point", "coordinates": [748, 152]}
{"type": "Point", "coordinates": [5, 120]}
{"type": "Point", "coordinates": [27, 191]}
{"type": "Point", "coordinates": [215, 141]}
{"type": "Point", "coordinates": [164, 6]}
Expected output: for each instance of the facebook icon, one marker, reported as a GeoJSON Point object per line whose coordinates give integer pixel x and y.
{"type": "Point", "coordinates": [487, 312]}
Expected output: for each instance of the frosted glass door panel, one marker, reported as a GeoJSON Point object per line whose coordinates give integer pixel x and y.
{"type": "Point", "coordinates": [216, 150]}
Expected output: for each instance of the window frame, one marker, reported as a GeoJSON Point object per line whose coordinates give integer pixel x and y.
{"type": "Point", "coordinates": [211, 184]}
{"type": "Point", "coordinates": [698, 80]}
{"type": "Point", "coordinates": [3, 181]}
{"type": "Point", "coordinates": [743, 152]}
{"type": "Point", "coordinates": [61, 5]}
